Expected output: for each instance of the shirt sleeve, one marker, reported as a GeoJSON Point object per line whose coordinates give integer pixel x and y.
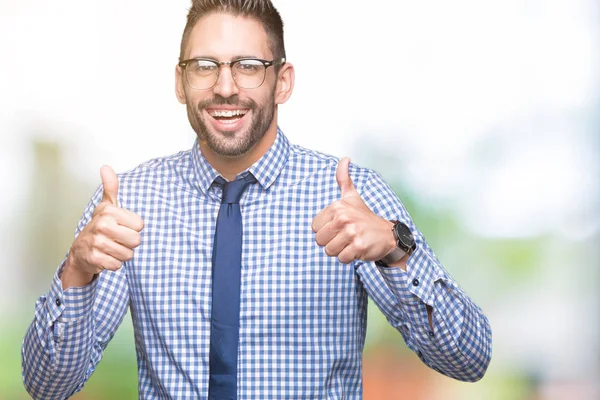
{"type": "Point", "coordinates": [459, 345]}
{"type": "Point", "coordinates": [71, 328]}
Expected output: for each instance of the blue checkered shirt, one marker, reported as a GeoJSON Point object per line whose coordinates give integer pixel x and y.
{"type": "Point", "coordinates": [302, 313]}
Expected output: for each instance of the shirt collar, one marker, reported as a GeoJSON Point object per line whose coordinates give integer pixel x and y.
{"type": "Point", "coordinates": [265, 170]}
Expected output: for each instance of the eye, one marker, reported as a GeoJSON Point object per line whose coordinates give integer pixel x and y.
{"type": "Point", "coordinates": [249, 66]}
{"type": "Point", "coordinates": [203, 66]}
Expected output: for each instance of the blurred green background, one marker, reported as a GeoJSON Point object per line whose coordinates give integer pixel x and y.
{"type": "Point", "coordinates": [485, 118]}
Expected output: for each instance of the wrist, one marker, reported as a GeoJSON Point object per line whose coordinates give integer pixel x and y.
{"type": "Point", "coordinates": [394, 254]}
{"type": "Point", "coordinates": [402, 247]}
{"type": "Point", "coordinates": [72, 276]}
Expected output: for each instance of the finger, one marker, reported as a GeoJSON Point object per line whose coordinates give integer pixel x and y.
{"type": "Point", "coordinates": [129, 219]}
{"type": "Point", "coordinates": [105, 261]}
{"type": "Point", "coordinates": [121, 216]}
{"type": "Point", "coordinates": [347, 255]}
{"type": "Point", "coordinates": [110, 185]}
{"type": "Point", "coordinates": [117, 233]}
{"type": "Point", "coordinates": [112, 264]}
{"type": "Point", "coordinates": [321, 219]}
{"type": "Point", "coordinates": [127, 237]}
{"type": "Point", "coordinates": [117, 251]}
{"type": "Point", "coordinates": [337, 245]}
{"type": "Point", "coordinates": [326, 233]}
{"type": "Point", "coordinates": [342, 175]}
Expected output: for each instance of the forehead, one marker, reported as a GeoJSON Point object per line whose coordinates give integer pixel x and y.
{"type": "Point", "coordinates": [225, 36]}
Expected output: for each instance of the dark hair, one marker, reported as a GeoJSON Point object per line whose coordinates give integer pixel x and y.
{"type": "Point", "coordinates": [261, 10]}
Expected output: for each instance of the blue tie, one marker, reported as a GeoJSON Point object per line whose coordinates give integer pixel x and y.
{"type": "Point", "coordinates": [226, 272]}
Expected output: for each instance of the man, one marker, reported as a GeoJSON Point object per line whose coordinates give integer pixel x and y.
{"type": "Point", "coordinates": [260, 294]}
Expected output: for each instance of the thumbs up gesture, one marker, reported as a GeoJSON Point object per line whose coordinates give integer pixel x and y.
{"type": "Point", "coordinates": [348, 229]}
{"type": "Point", "coordinates": [107, 240]}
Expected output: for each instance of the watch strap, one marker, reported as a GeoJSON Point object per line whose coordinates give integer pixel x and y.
{"type": "Point", "coordinates": [392, 257]}
{"type": "Point", "coordinates": [399, 252]}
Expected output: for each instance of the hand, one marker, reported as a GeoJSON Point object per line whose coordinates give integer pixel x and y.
{"type": "Point", "coordinates": [348, 229]}
{"type": "Point", "coordinates": [107, 240]}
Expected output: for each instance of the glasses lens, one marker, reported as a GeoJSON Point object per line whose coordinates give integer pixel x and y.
{"type": "Point", "coordinates": [202, 74]}
{"type": "Point", "coordinates": [248, 74]}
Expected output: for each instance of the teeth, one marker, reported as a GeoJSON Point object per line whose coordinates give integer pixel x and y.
{"type": "Point", "coordinates": [230, 122]}
{"type": "Point", "coordinates": [227, 113]}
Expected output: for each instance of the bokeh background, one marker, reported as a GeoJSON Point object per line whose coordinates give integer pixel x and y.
{"type": "Point", "coordinates": [483, 115]}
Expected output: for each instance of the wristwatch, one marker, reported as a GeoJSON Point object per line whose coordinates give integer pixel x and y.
{"type": "Point", "coordinates": [405, 243]}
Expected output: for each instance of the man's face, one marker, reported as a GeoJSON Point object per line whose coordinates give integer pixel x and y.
{"type": "Point", "coordinates": [224, 37]}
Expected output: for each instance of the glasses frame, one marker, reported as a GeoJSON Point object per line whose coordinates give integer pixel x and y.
{"type": "Point", "coordinates": [183, 65]}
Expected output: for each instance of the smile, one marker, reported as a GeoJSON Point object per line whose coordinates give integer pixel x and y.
{"type": "Point", "coordinates": [227, 113]}
{"type": "Point", "coordinates": [224, 119]}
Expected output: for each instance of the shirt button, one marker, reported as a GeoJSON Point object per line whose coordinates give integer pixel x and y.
{"type": "Point", "coordinates": [431, 334]}
{"type": "Point", "coordinates": [58, 302]}
{"type": "Point", "coordinates": [415, 282]}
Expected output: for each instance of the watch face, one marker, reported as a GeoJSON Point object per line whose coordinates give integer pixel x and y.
{"type": "Point", "coordinates": [404, 236]}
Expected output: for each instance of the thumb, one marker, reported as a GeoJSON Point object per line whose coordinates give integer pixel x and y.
{"type": "Point", "coordinates": [342, 175]}
{"type": "Point", "coordinates": [110, 184]}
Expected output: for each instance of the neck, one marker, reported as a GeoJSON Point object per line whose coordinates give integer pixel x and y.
{"type": "Point", "coordinates": [230, 167]}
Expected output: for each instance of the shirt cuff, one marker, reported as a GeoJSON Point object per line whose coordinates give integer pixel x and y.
{"type": "Point", "coordinates": [417, 282]}
{"type": "Point", "coordinates": [71, 304]}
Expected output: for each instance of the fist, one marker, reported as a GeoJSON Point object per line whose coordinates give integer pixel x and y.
{"type": "Point", "coordinates": [348, 229]}
{"type": "Point", "coordinates": [110, 236]}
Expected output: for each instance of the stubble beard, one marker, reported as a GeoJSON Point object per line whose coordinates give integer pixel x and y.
{"type": "Point", "coordinates": [228, 143]}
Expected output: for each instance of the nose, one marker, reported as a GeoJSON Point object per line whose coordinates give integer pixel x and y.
{"type": "Point", "coordinates": [225, 86]}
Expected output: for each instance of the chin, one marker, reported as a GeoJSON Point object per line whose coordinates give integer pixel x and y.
{"type": "Point", "coordinates": [231, 144]}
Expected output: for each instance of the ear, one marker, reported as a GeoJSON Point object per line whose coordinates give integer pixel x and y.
{"type": "Point", "coordinates": [285, 83]}
{"type": "Point", "coordinates": [179, 85]}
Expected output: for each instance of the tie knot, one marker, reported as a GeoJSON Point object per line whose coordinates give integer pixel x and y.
{"type": "Point", "coordinates": [232, 191]}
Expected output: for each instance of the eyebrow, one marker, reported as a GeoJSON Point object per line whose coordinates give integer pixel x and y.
{"type": "Point", "coordinates": [240, 57]}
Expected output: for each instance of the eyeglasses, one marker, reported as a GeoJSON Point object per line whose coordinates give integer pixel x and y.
{"type": "Point", "coordinates": [247, 73]}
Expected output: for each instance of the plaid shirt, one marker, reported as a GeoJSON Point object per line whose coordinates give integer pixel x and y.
{"type": "Point", "coordinates": [303, 314]}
